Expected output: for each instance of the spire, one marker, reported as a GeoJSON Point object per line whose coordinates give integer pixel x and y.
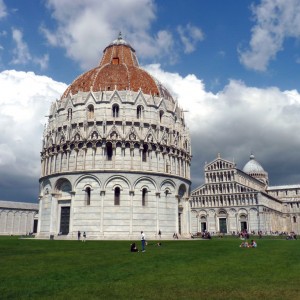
{"type": "Point", "coordinates": [120, 36]}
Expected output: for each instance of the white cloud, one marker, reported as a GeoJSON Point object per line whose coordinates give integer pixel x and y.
{"type": "Point", "coordinates": [86, 27]}
{"type": "Point", "coordinates": [2, 33]}
{"type": "Point", "coordinates": [237, 120]}
{"type": "Point", "coordinates": [190, 35]}
{"type": "Point", "coordinates": [3, 11]}
{"type": "Point", "coordinates": [42, 61]}
{"type": "Point", "coordinates": [21, 51]}
{"type": "Point", "coordinates": [24, 101]}
{"type": "Point", "coordinates": [276, 20]}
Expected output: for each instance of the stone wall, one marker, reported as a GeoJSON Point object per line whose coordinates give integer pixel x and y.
{"type": "Point", "coordinates": [17, 218]}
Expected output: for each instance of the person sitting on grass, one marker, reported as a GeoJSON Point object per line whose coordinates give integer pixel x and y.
{"type": "Point", "coordinates": [253, 244]}
{"type": "Point", "coordinates": [133, 248]}
{"type": "Point", "coordinates": [244, 245]}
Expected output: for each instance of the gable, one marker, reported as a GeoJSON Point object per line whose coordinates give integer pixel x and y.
{"type": "Point", "coordinates": [218, 164]}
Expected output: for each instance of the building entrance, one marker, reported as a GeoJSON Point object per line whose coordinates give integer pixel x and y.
{"type": "Point", "coordinates": [64, 220]}
{"type": "Point", "coordinates": [243, 226]}
{"type": "Point", "coordinates": [203, 226]}
{"type": "Point", "coordinates": [35, 226]}
{"type": "Point", "coordinates": [223, 225]}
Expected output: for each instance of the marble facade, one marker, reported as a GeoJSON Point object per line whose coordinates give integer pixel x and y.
{"type": "Point", "coordinates": [116, 155]}
{"type": "Point", "coordinates": [232, 200]}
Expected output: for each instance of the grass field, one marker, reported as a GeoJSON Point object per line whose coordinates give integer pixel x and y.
{"type": "Point", "coordinates": [196, 269]}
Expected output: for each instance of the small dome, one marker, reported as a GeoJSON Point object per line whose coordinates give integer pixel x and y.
{"type": "Point", "coordinates": [253, 167]}
{"type": "Point", "coordinates": [120, 41]}
{"type": "Point", "coordinates": [255, 170]}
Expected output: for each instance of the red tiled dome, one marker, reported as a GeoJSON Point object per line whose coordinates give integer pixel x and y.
{"type": "Point", "coordinates": [119, 69]}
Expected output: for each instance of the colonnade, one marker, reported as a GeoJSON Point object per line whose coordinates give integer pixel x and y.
{"type": "Point", "coordinates": [221, 201]}
{"type": "Point", "coordinates": [123, 156]}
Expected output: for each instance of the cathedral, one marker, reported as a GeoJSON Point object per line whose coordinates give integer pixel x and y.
{"type": "Point", "coordinates": [233, 200]}
{"type": "Point", "coordinates": [116, 155]}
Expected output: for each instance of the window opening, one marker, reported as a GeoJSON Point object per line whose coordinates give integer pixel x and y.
{"type": "Point", "coordinates": [144, 196]}
{"type": "Point", "coordinates": [115, 110]}
{"type": "Point", "coordinates": [144, 153]}
{"type": "Point", "coordinates": [117, 195]}
{"type": "Point", "coordinates": [139, 112]}
{"type": "Point", "coordinates": [109, 151]}
{"type": "Point", "coordinates": [161, 113]}
{"type": "Point", "coordinates": [115, 60]}
{"type": "Point", "coordinates": [69, 114]}
{"type": "Point", "coordinates": [90, 112]}
{"type": "Point", "coordinates": [88, 195]}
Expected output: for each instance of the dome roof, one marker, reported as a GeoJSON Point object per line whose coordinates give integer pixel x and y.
{"type": "Point", "coordinates": [252, 166]}
{"type": "Point", "coordinates": [118, 69]}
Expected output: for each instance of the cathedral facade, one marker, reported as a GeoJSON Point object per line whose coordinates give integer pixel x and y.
{"type": "Point", "coordinates": [116, 155]}
{"type": "Point", "coordinates": [232, 200]}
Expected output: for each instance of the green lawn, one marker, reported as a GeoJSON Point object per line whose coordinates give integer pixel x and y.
{"type": "Point", "coordinates": [196, 269]}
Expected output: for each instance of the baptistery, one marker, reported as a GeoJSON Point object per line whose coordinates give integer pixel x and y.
{"type": "Point", "coordinates": [116, 155]}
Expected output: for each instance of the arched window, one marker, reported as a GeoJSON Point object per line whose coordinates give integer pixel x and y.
{"type": "Point", "coordinates": [144, 196]}
{"type": "Point", "coordinates": [161, 113]}
{"type": "Point", "coordinates": [144, 153]}
{"type": "Point", "coordinates": [115, 111]}
{"type": "Point", "coordinates": [109, 151]}
{"type": "Point", "coordinates": [140, 112]}
{"type": "Point", "coordinates": [90, 111]}
{"type": "Point", "coordinates": [88, 196]}
{"type": "Point", "coordinates": [69, 114]}
{"type": "Point", "coordinates": [117, 195]}
{"type": "Point", "coordinates": [294, 219]}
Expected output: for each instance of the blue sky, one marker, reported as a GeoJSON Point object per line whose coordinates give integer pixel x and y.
{"type": "Point", "coordinates": [233, 64]}
{"type": "Point", "coordinates": [225, 25]}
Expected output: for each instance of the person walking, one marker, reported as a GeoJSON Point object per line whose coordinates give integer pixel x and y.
{"type": "Point", "coordinates": [143, 240]}
{"type": "Point", "coordinates": [159, 234]}
{"type": "Point", "coordinates": [84, 236]}
{"type": "Point", "coordinates": [78, 235]}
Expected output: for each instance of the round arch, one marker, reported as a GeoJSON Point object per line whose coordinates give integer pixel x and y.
{"type": "Point", "coordinates": [145, 179]}
{"type": "Point", "coordinates": [166, 182]}
{"type": "Point", "coordinates": [182, 190]}
{"type": "Point", "coordinates": [114, 177]}
{"type": "Point", "coordinates": [85, 176]}
{"type": "Point", "coordinates": [62, 184]}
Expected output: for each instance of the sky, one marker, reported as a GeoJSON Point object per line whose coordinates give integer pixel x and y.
{"type": "Point", "coordinates": [232, 65]}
